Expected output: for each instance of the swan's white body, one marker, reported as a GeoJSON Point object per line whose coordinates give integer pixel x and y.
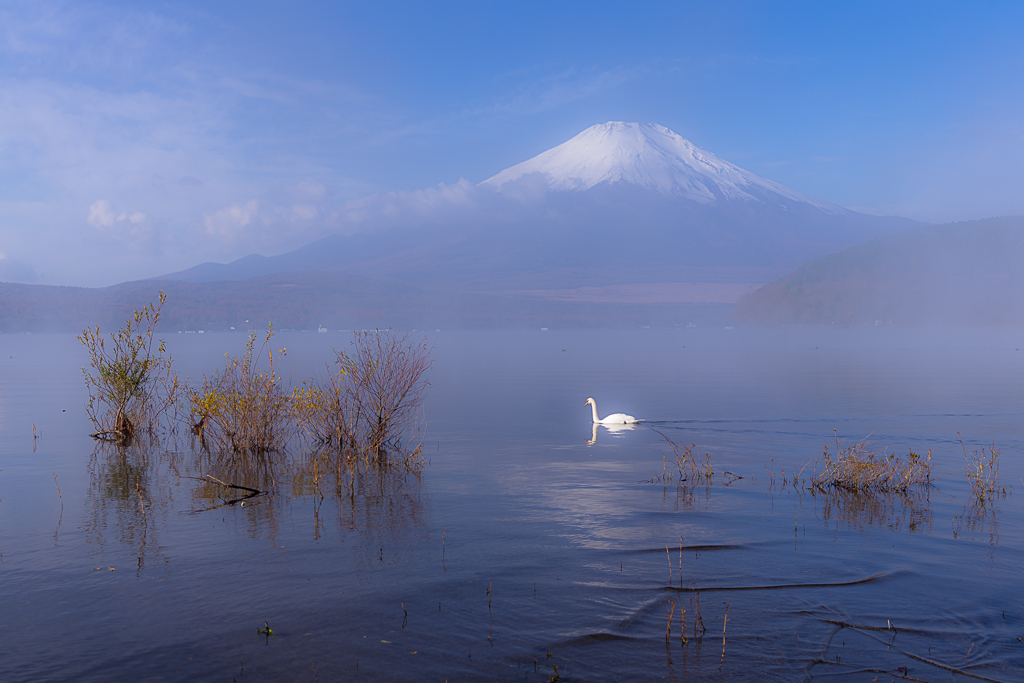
{"type": "Point", "coordinates": [613, 419]}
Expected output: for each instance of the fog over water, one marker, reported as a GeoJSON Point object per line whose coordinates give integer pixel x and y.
{"type": "Point", "coordinates": [519, 540]}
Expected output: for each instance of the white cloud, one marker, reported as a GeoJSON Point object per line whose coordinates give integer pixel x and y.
{"type": "Point", "coordinates": [100, 214]}
{"type": "Point", "coordinates": [292, 215]}
{"type": "Point", "coordinates": [396, 207]}
{"type": "Point", "coordinates": [134, 218]}
{"type": "Point", "coordinates": [128, 229]}
{"type": "Point", "coordinates": [228, 223]}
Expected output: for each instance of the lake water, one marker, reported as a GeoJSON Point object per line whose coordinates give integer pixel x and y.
{"type": "Point", "coordinates": [526, 542]}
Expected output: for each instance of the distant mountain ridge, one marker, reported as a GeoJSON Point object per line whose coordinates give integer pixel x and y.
{"type": "Point", "coordinates": [961, 274]}
{"type": "Point", "coordinates": [618, 204]}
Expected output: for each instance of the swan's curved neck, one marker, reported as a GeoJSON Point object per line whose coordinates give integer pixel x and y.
{"type": "Point", "coordinates": [593, 406]}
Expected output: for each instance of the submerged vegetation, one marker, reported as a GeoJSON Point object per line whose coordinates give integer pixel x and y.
{"type": "Point", "coordinates": [982, 470]}
{"type": "Point", "coordinates": [243, 407]}
{"type": "Point", "coordinates": [362, 407]}
{"type": "Point", "coordinates": [858, 468]}
{"type": "Point", "coordinates": [352, 434]}
{"type": "Point", "coordinates": [862, 468]}
{"type": "Point", "coordinates": [689, 467]}
{"type": "Point", "coordinates": [858, 484]}
{"type": "Point", "coordinates": [388, 381]}
{"type": "Point", "coordinates": [370, 401]}
{"type": "Point", "coordinates": [325, 407]}
{"type": "Point", "coordinates": [366, 407]}
{"type": "Point", "coordinates": [132, 386]}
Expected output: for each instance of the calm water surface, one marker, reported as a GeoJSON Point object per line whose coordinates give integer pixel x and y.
{"type": "Point", "coordinates": [528, 542]}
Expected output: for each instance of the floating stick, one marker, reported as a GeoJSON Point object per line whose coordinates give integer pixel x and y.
{"type": "Point", "coordinates": [669, 558]}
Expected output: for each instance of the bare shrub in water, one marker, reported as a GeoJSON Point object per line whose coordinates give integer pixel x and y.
{"type": "Point", "coordinates": [244, 408]}
{"type": "Point", "coordinates": [369, 401]}
{"type": "Point", "coordinates": [860, 468]}
{"type": "Point", "coordinates": [982, 470]}
{"type": "Point", "coordinates": [132, 386]}
{"type": "Point", "coordinates": [388, 380]}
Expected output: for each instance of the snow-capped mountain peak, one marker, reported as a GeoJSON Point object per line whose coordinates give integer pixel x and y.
{"type": "Point", "coordinates": [650, 156]}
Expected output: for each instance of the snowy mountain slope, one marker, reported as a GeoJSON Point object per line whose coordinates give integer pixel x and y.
{"type": "Point", "coordinates": [653, 157]}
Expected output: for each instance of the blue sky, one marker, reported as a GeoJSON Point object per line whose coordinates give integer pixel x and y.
{"type": "Point", "coordinates": [139, 139]}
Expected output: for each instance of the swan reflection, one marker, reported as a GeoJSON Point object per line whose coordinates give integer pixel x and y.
{"type": "Point", "coordinates": [613, 429]}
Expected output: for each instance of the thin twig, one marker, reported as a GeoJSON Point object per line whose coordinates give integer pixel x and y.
{"type": "Point", "coordinates": [59, 494]}
{"type": "Point", "coordinates": [61, 518]}
{"type": "Point", "coordinates": [680, 561]}
{"type": "Point", "coordinates": [669, 558]}
{"type": "Point", "coordinates": [222, 483]}
{"type": "Point", "coordinates": [724, 624]}
{"type": "Point", "coordinates": [138, 490]}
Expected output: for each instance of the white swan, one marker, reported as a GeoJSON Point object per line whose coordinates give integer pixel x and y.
{"type": "Point", "coordinates": [613, 419]}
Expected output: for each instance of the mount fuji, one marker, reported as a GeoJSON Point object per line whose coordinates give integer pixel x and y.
{"type": "Point", "coordinates": [651, 157]}
{"type": "Point", "coordinates": [620, 204]}
{"type": "Point", "coordinates": [623, 214]}
{"type": "Point", "coordinates": [624, 224]}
